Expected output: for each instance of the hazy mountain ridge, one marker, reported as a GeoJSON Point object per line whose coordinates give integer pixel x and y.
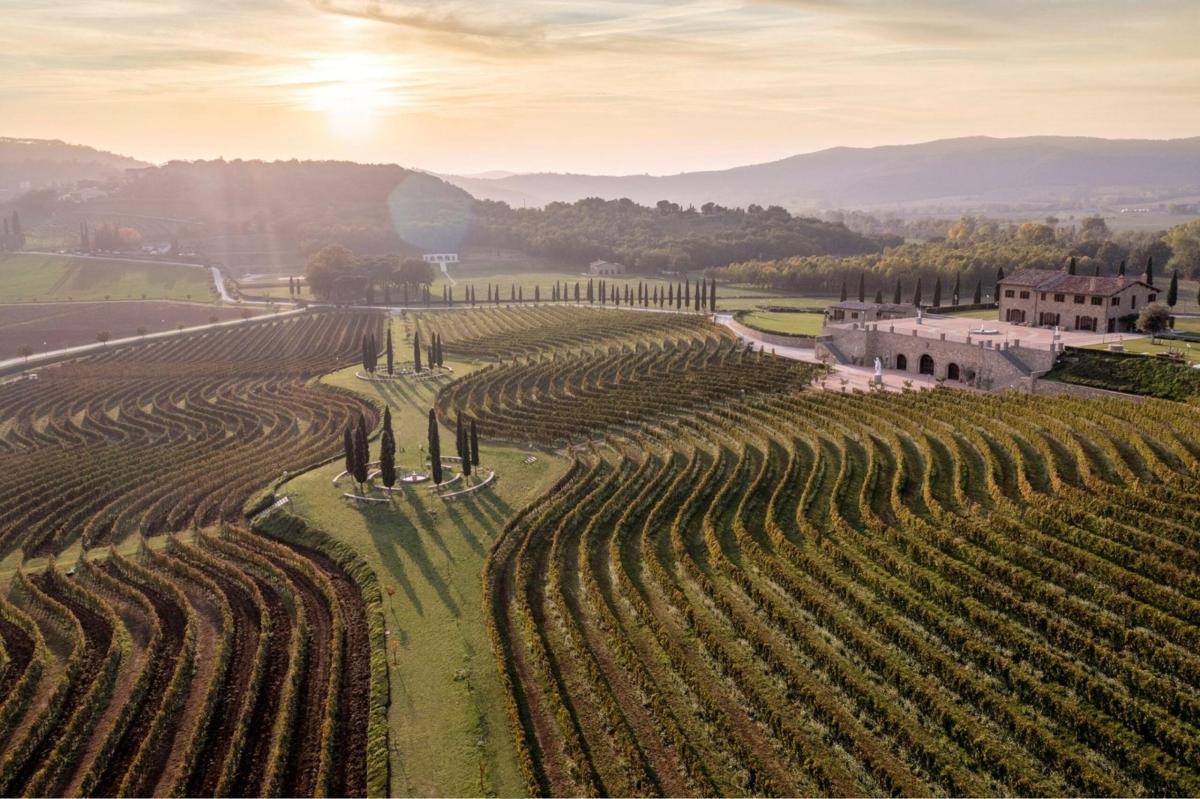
{"type": "Point", "coordinates": [973, 170]}
{"type": "Point", "coordinates": [39, 163]}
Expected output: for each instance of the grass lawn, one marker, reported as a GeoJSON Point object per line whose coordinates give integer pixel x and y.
{"type": "Point", "coordinates": [793, 324]}
{"type": "Point", "coordinates": [1146, 346]}
{"type": "Point", "coordinates": [1190, 324]}
{"type": "Point", "coordinates": [26, 277]}
{"type": "Point", "coordinates": [985, 313]}
{"type": "Point", "coordinates": [449, 733]}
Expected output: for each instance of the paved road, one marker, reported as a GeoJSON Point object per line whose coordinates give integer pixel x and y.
{"type": "Point", "coordinates": [51, 356]}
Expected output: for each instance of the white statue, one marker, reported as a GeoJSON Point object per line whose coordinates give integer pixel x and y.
{"type": "Point", "coordinates": [878, 379]}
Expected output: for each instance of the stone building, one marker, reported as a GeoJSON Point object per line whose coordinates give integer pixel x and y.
{"type": "Point", "coordinates": [985, 360]}
{"type": "Point", "coordinates": [854, 311]}
{"type": "Point", "coordinates": [603, 268]}
{"type": "Point", "coordinates": [1047, 298]}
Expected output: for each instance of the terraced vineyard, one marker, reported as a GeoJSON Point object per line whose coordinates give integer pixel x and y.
{"type": "Point", "coordinates": [796, 592]}
{"type": "Point", "coordinates": [172, 434]}
{"type": "Point", "coordinates": [513, 332]}
{"type": "Point", "coordinates": [231, 666]}
{"type": "Point", "coordinates": [563, 399]}
{"type": "Point", "coordinates": [228, 663]}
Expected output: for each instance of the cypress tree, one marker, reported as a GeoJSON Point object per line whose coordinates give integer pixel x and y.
{"type": "Point", "coordinates": [1121, 268]}
{"type": "Point", "coordinates": [896, 297]}
{"type": "Point", "coordinates": [937, 292]}
{"type": "Point", "coordinates": [474, 444]}
{"type": "Point", "coordinates": [879, 296]}
{"type": "Point", "coordinates": [999, 277]}
{"type": "Point", "coordinates": [917, 294]}
{"type": "Point", "coordinates": [670, 294]}
{"type": "Point", "coordinates": [1149, 269]}
{"type": "Point", "coordinates": [362, 452]}
{"type": "Point", "coordinates": [1173, 289]}
{"type": "Point", "coordinates": [435, 450]}
{"type": "Point", "coordinates": [576, 292]}
{"type": "Point", "coordinates": [348, 448]}
{"type": "Point", "coordinates": [387, 294]}
{"type": "Point", "coordinates": [520, 294]}
{"type": "Point", "coordinates": [687, 292]}
{"type": "Point", "coordinates": [441, 360]}
{"type": "Point", "coordinates": [978, 292]}
{"type": "Point", "coordinates": [1097, 271]}
{"type": "Point", "coordinates": [862, 286]}
{"type": "Point", "coordinates": [712, 295]}
{"type": "Point", "coordinates": [537, 293]}
{"type": "Point", "coordinates": [366, 352]}
{"type": "Point", "coordinates": [842, 295]}
{"type": "Point", "coordinates": [417, 351]}
{"type": "Point", "coordinates": [1071, 266]}
{"type": "Point", "coordinates": [390, 353]}
{"type": "Point", "coordinates": [387, 451]}
{"type": "Point", "coordinates": [957, 286]}
{"type": "Point", "coordinates": [699, 283]}
{"type": "Point", "coordinates": [406, 294]}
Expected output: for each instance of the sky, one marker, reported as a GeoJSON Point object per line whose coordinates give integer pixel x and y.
{"type": "Point", "coordinates": [596, 86]}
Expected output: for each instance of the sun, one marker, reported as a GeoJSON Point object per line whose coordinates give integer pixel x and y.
{"type": "Point", "coordinates": [352, 90]}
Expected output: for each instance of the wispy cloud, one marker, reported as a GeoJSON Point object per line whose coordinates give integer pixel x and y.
{"type": "Point", "coordinates": [619, 85]}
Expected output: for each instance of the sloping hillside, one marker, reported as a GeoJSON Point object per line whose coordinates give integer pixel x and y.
{"type": "Point", "coordinates": [39, 163]}
{"type": "Point", "coordinates": [966, 171]}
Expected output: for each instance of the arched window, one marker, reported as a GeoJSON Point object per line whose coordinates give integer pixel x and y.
{"type": "Point", "coordinates": [926, 365]}
{"type": "Point", "coordinates": [902, 363]}
{"type": "Point", "coordinates": [952, 372]}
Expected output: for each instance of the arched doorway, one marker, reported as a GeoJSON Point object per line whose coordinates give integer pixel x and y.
{"type": "Point", "coordinates": [926, 365]}
{"type": "Point", "coordinates": [952, 372]}
{"type": "Point", "coordinates": [902, 363]}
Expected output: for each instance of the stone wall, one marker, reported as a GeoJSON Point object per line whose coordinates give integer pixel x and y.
{"type": "Point", "coordinates": [1055, 388]}
{"type": "Point", "coordinates": [984, 362]}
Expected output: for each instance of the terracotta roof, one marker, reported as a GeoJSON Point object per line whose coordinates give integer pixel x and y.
{"type": "Point", "coordinates": [1061, 282]}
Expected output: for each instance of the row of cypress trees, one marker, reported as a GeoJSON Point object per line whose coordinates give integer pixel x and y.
{"type": "Point", "coordinates": [433, 353]}
{"type": "Point", "coordinates": [699, 296]}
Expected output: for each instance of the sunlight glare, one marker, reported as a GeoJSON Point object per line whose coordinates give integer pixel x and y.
{"type": "Point", "coordinates": [352, 89]}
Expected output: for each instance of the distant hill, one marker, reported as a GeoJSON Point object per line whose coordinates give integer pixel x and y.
{"type": "Point", "coordinates": [40, 163]}
{"type": "Point", "coordinates": [964, 172]}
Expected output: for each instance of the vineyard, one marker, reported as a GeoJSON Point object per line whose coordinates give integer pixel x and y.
{"type": "Point", "coordinates": [218, 661]}
{"type": "Point", "coordinates": [229, 666]}
{"type": "Point", "coordinates": [177, 433]}
{"type": "Point", "coordinates": [742, 587]}
{"type": "Point", "coordinates": [513, 332]}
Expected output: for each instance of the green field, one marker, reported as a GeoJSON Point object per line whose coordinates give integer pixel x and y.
{"type": "Point", "coordinates": [449, 733]}
{"type": "Point", "coordinates": [29, 277]}
{"type": "Point", "coordinates": [1189, 324]}
{"type": "Point", "coordinates": [984, 313]}
{"type": "Point", "coordinates": [792, 324]}
{"type": "Point", "coordinates": [1146, 346]}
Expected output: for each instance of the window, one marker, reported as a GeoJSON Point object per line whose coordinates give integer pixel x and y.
{"type": "Point", "coordinates": [1079, 299]}
{"type": "Point", "coordinates": [1153, 297]}
{"type": "Point", "coordinates": [1043, 296]}
{"type": "Point", "coordinates": [1133, 302]}
{"type": "Point", "coordinates": [1009, 293]}
{"type": "Point", "coordinates": [1097, 300]}
{"type": "Point", "coordinates": [1060, 297]}
{"type": "Point", "coordinates": [1024, 295]}
{"type": "Point", "coordinates": [1116, 302]}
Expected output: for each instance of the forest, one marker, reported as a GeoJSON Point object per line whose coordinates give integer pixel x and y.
{"type": "Point", "coordinates": [976, 249]}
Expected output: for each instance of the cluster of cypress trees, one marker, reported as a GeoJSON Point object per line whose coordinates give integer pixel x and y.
{"type": "Point", "coordinates": [370, 352]}
{"type": "Point", "coordinates": [467, 444]}
{"type": "Point", "coordinates": [433, 355]}
{"type": "Point", "coordinates": [356, 450]}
